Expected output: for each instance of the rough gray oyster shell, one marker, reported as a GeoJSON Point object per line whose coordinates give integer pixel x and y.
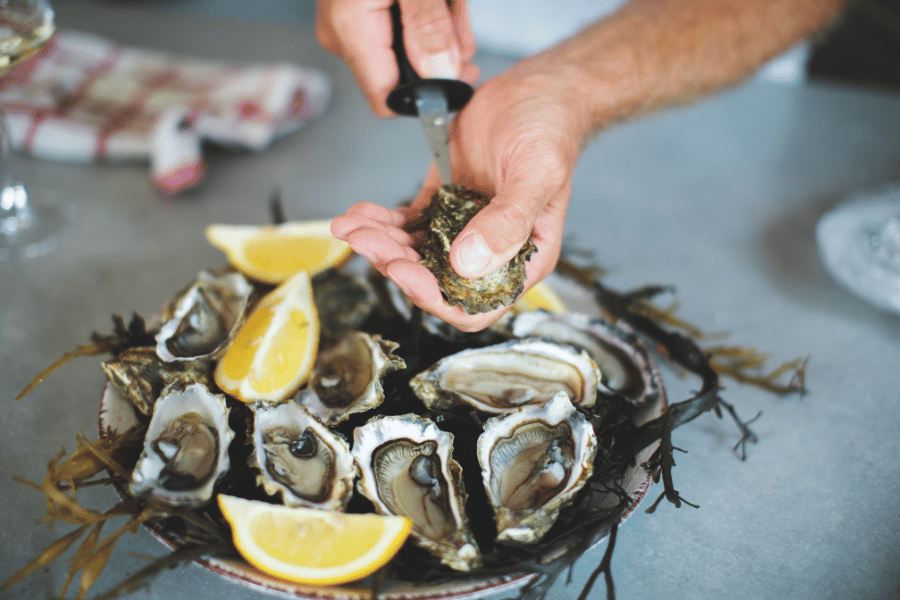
{"type": "Point", "coordinates": [452, 207]}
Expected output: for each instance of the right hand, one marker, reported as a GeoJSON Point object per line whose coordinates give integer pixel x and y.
{"type": "Point", "coordinates": [439, 42]}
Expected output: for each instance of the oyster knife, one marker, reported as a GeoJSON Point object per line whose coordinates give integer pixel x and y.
{"type": "Point", "coordinates": [431, 100]}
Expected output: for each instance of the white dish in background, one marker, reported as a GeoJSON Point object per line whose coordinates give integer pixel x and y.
{"type": "Point", "coordinates": [859, 242]}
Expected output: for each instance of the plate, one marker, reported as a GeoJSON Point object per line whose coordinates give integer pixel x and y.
{"type": "Point", "coordinates": [117, 414]}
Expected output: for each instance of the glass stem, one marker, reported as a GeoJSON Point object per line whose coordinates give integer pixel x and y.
{"type": "Point", "coordinates": [14, 212]}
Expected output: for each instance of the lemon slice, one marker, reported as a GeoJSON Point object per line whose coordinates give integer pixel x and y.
{"type": "Point", "coordinates": [312, 546]}
{"type": "Point", "coordinates": [541, 296]}
{"type": "Point", "coordinates": [273, 253]}
{"type": "Point", "coordinates": [274, 350]}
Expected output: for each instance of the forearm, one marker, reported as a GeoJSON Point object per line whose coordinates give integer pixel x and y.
{"type": "Point", "coordinates": [656, 53]}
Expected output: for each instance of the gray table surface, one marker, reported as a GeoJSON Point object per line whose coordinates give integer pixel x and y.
{"type": "Point", "coordinates": [719, 199]}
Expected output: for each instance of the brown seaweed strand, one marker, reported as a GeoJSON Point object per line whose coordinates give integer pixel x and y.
{"type": "Point", "coordinates": [183, 555]}
{"type": "Point", "coordinates": [604, 567]}
{"type": "Point", "coordinates": [50, 553]}
{"type": "Point", "coordinates": [122, 337]}
{"type": "Point", "coordinates": [85, 350]}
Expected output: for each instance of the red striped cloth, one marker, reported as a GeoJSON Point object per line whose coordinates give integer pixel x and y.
{"type": "Point", "coordinates": [85, 98]}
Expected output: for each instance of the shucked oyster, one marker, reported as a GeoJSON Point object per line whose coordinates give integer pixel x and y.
{"type": "Point", "coordinates": [406, 469]}
{"type": "Point", "coordinates": [533, 462]}
{"type": "Point", "coordinates": [185, 448]}
{"type": "Point", "coordinates": [202, 319]}
{"type": "Point", "coordinates": [627, 368]}
{"type": "Point", "coordinates": [452, 207]}
{"type": "Point", "coordinates": [501, 378]}
{"type": "Point", "coordinates": [346, 378]}
{"type": "Point", "coordinates": [300, 459]}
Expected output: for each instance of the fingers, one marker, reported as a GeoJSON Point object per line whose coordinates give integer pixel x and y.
{"type": "Point", "coordinates": [360, 33]}
{"type": "Point", "coordinates": [417, 282]}
{"type": "Point", "coordinates": [439, 42]}
{"type": "Point", "coordinates": [376, 234]}
{"type": "Point", "coordinates": [430, 38]}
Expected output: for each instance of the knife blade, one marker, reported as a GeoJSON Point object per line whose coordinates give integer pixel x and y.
{"type": "Point", "coordinates": [431, 100]}
{"type": "Point", "coordinates": [433, 115]}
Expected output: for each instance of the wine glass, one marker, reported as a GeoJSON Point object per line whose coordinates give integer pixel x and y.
{"type": "Point", "coordinates": [27, 228]}
{"type": "Point", "coordinates": [859, 242]}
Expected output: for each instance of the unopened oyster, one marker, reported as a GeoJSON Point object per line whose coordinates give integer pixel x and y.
{"type": "Point", "coordinates": [347, 376]}
{"type": "Point", "coordinates": [300, 459]}
{"type": "Point", "coordinates": [626, 367]}
{"type": "Point", "coordinates": [185, 448]}
{"type": "Point", "coordinates": [139, 375]}
{"type": "Point", "coordinates": [452, 207]}
{"type": "Point", "coordinates": [501, 378]}
{"type": "Point", "coordinates": [533, 462]}
{"type": "Point", "coordinates": [202, 319]}
{"type": "Point", "coordinates": [406, 469]}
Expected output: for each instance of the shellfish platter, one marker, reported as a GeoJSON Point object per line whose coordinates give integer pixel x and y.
{"type": "Point", "coordinates": [502, 448]}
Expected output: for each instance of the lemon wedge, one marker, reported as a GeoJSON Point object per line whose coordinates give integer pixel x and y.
{"type": "Point", "coordinates": [306, 545]}
{"type": "Point", "coordinates": [541, 296]}
{"type": "Point", "coordinates": [273, 253]}
{"type": "Point", "coordinates": [274, 350]}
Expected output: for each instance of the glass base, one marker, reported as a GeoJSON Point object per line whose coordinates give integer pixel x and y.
{"type": "Point", "coordinates": [40, 232]}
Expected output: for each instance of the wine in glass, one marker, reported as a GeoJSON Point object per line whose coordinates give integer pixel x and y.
{"type": "Point", "coordinates": [27, 228]}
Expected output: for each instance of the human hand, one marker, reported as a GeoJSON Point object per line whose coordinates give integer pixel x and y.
{"type": "Point", "coordinates": [517, 141]}
{"type": "Point", "coordinates": [438, 40]}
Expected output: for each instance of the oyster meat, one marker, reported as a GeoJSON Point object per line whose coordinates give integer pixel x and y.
{"type": "Point", "coordinates": [185, 447]}
{"type": "Point", "coordinates": [452, 207]}
{"type": "Point", "coordinates": [201, 321]}
{"type": "Point", "coordinates": [406, 469]}
{"type": "Point", "coordinates": [626, 367]}
{"type": "Point", "coordinates": [503, 377]}
{"type": "Point", "coordinates": [299, 459]}
{"type": "Point", "coordinates": [346, 378]}
{"type": "Point", "coordinates": [533, 462]}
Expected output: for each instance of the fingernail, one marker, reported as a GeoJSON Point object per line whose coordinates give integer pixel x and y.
{"type": "Point", "coordinates": [440, 66]}
{"type": "Point", "coordinates": [474, 255]}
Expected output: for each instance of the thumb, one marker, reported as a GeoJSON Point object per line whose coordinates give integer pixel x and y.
{"type": "Point", "coordinates": [492, 237]}
{"type": "Point", "coordinates": [430, 40]}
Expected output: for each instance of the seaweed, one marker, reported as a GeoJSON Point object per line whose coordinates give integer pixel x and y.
{"type": "Point", "coordinates": [122, 337]}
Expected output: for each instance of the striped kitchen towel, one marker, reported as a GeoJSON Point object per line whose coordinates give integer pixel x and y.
{"type": "Point", "coordinates": [85, 98]}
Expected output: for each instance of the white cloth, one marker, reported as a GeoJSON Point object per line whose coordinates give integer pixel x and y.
{"type": "Point", "coordinates": [85, 98]}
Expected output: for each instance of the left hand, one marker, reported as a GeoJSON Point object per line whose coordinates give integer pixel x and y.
{"type": "Point", "coordinates": [517, 141]}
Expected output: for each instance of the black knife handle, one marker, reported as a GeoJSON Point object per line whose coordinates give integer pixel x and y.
{"type": "Point", "coordinates": [402, 99]}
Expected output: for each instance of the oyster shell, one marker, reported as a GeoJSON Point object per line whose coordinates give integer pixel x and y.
{"type": "Point", "coordinates": [299, 459]}
{"type": "Point", "coordinates": [346, 378]}
{"type": "Point", "coordinates": [406, 469]}
{"type": "Point", "coordinates": [200, 321]}
{"type": "Point", "coordinates": [501, 378]}
{"type": "Point", "coordinates": [139, 375]}
{"type": "Point", "coordinates": [185, 448]}
{"type": "Point", "coordinates": [533, 462]}
{"type": "Point", "coordinates": [452, 207]}
{"type": "Point", "coordinates": [626, 367]}
{"type": "Point", "coordinates": [342, 300]}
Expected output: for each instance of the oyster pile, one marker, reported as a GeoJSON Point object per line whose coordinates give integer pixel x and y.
{"type": "Point", "coordinates": [452, 207]}
{"type": "Point", "coordinates": [497, 427]}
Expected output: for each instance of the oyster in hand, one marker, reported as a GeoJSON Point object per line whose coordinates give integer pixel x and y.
{"type": "Point", "coordinates": [452, 207]}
